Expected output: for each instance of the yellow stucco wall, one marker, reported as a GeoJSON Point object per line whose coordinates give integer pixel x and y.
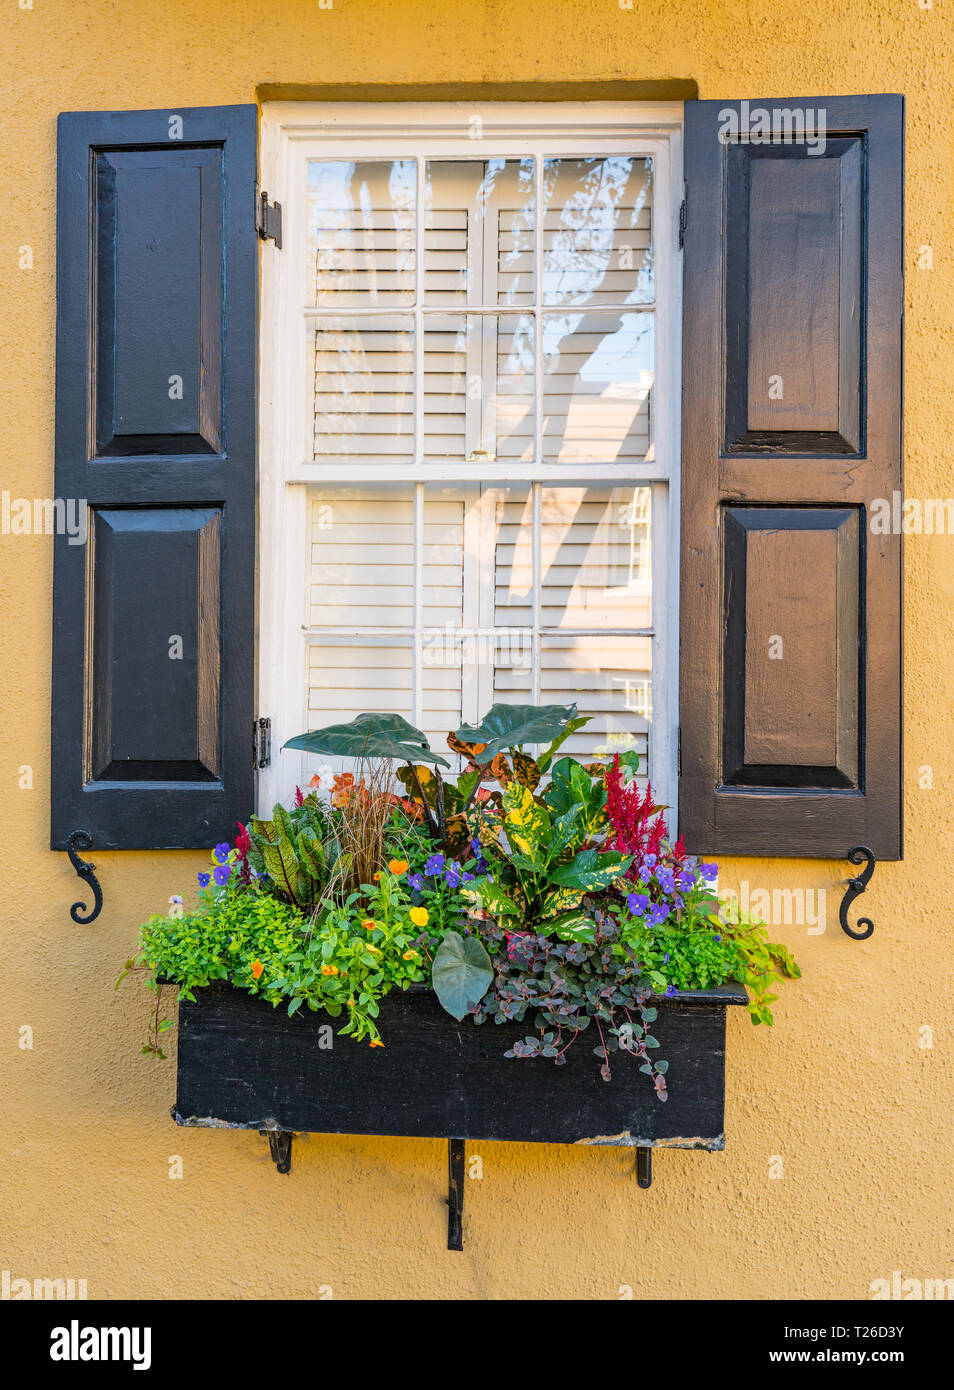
{"type": "Point", "coordinates": [841, 1091]}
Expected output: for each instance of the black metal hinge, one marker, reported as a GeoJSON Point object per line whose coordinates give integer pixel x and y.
{"type": "Point", "coordinates": [682, 224]}
{"type": "Point", "coordinates": [268, 220]}
{"type": "Point", "coordinates": [261, 743]}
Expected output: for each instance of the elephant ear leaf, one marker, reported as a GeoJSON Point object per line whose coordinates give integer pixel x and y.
{"type": "Point", "coordinates": [370, 736]}
{"type": "Point", "coordinates": [511, 726]}
{"type": "Point", "coordinates": [461, 973]}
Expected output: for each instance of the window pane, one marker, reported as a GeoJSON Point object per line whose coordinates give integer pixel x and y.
{"type": "Point", "coordinates": [478, 232]}
{"type": "Point", "coordinates": [478, 387]}
{"type": "Point", "coordinates": [364, 390]}
{"type": "Point", "coordinates": [361, 221]}
{"type": "Point", "coordinates": [598, 377]}
{"type": "Point", "coordinates": [597, 231]}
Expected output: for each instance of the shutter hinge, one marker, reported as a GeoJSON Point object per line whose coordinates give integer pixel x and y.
{"type": "Point", "coordinates": [268, 220]}
{"type": "Point", "coordinates": [261, 743]}
{"type": "Point", "coordinates": [679, 750]}
{"type": "Point", "coordinates": [682, 224]}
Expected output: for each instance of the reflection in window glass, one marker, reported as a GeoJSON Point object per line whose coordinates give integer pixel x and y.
{"type": "Point", "coordinates": [597, 231]}
{"type": "Point", "coordinates": [361, 231]}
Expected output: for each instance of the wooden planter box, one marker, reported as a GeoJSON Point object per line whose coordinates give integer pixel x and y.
{"type": "Point", "coordinates": [245, 1065]}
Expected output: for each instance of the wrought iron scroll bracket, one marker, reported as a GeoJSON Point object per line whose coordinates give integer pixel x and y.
{"type": "Point", "coordinates": [858, 854]}
{"type": "Point", "coordinates": [81, 839]}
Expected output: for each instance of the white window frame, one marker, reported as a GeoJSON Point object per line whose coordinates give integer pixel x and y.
{"type": "Point", "coordinates": [292, 134]}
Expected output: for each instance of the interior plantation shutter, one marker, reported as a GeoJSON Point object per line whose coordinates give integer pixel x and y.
{"type": "Point", "coordinates": [153, 618]}
{"type": "Point", "coordinates": [790, 669]}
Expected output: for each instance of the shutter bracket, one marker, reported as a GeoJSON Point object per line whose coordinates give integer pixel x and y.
{"type": "Point", "coordinates": [682, 224]}
{"type": "Point", "coordinates": [856, 886]}
{"type": "Point", "coordinates": [261, 743]}
{"type": "Point", "coordinates": [268, 220]}
{"type": "Point", "coordinates": [81, 839]}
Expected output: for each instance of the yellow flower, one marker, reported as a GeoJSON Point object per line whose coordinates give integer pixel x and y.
{"type": "Point", "coordinates": [329, 970]}
{"type": "Point", "coordinates": [375, 1042]}
{"type": "Point", "coordinates": [410, 955]}
{"type": "Point", "coordinates": [373, 949]}
{"type": "Point", "coordinates": [398, 866]}
{"type": "Point", "coordinates": [419, 916]}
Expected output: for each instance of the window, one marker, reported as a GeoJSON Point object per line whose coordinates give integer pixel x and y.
{"type": "Point", "coordinates": [470, 431]}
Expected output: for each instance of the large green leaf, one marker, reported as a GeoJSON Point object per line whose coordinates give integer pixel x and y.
{"type": "Point", "coordinates": [572, 926]}
{"type": "Point", "coordinates": [369, 736]}
{"type": "Point", "coordinates": [591, 870]}
{"type": "Point", "coordinates": [528, 825]}
{"type": "Point", "coordinates": [461, 973]}
{"type": "Point", "coordinates": [511, 726]}
{"type": "Point", "coordinates": [491, 896]}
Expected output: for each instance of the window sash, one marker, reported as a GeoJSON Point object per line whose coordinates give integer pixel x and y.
{"type": "Point", "coordinates": [294, 134]}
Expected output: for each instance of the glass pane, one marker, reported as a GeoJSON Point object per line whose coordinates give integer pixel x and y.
{"type": "Point", "coordinates": [610, 679]}
{"type": "Point", "coordinates": [478, 232]}
{"type": "Point", "coordinates": [478, 387]}
{"type": "Point", "coordinates": [360, 240]}
{"type": "Point", "coordinates": [597, 231]}
{"type": "Point", "coordinates": [594, 557]}
{"type": "Point", "coordinates": [364, 390]}
{"type": "Point", "coordinates": [598, 377]}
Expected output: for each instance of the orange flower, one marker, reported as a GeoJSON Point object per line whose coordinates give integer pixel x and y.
{"type": "Point", "coordinates": [315, 781]}
{"type": "Point", "coordinates": [343, 779]}
{"type": "Point", "coordinates": [376, 1042]}
{"type": "Point", "coordinates": [257, 968]}
{"type": "Point", "coordinates": [329, 970]}
{"type": "Point", "coordinates": [368, 924]}
{"type": "Point", "coordinates": [376, 876]}
{"type": "Point", "coordinates": [398, 866]}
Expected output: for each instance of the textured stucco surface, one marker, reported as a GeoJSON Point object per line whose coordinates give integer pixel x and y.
{"type": "Point", "coordinates": [840, 1091]}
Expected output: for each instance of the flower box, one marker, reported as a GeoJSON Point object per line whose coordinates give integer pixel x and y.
{"type": "Point", "coordinates": [243, 1064]}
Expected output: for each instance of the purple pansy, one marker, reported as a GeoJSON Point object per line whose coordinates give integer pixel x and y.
{"type": "Point", "coordinates": [665, 879]}
{"type": "Point", "coordinates": [221, 874]}
{"type": "Point", "coordinates": [686, 879]}
{"type": "Point", "coordinates": [203, 880]}
{"type": "Point", "coordinates": [657, 915]}
{"type": "Point", "coordinates": [416, 882]}
{"type": "Point", "coordinates": [710, 872]}
{"type": "Point", "coordinates": [452, 876]}
{"type": "Point", "coordinates": [637, 903]}
{"type": "Point", "coordinates": [670, 991]}
{"type": "Point", "coordinates": [222, 852]}
{"type": "Point", "coordinates": [435, 864]}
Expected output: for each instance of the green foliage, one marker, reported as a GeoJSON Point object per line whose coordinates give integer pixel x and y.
{"type": "Point", "coordinates": [461, 973]}
{"type": "Point", "coordinates": [540, 867]}
{"type": "Point", "coordinates": [370, 736]}
{"type": "Point", "coordinates": [508, 727]}
{"type": "Point", "coordinates": [299, 851]}
{"type": "Point", "coordinates": [760, 964]}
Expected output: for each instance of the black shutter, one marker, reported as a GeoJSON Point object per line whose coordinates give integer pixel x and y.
{"type": "Point", "coordinates": [790, 668]}
{"type": "Point", "coordinates": [153, 618]}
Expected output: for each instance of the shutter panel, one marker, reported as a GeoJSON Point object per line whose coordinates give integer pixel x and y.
{"type": "Point", "coordinates": [153, 620]}
{"type": "Point", "coordinates": [791, 606]}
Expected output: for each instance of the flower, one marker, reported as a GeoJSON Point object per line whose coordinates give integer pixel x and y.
{"type": "Point", "coordinates": [637, 903]}
{"type": "Point", "coordinates": [419, 916]}
{"type": "Point", "coordinates": [670, 991]}
{"type": "Point", "coordinates": [452, 876]}
{"type": "Point", "coordinates": [221, 874]}
{"type": "Point", "coordinates": [299, 799]}
{"type": "Point", "coordinates": [416, 882]}
{"type": "Point", "coordinates": [257, 968]}
{"type": "Point", "coordinates": [373, 949]}
{"type": "Point", "coordinates": [330, 970]}
{"type": "Point", "coordinates": [176, 898]}
{"type": "Point", "coordinates": [376, 876]}
{"type": "Point", "coordinates": [222, 852]}
{"type": "Point", "coordinates": [434, 865]}
{"type": "Point", "coordinates": [315, 781]}
{"type": "Point", "coordinates": [710, 872]}
{"type": "Point", "coordinates": [686, 879]}
{"type": "Point", "coordinates": [397, 866]}
{"type": "Point", "coordinates": [665, 879]}
{"type": "Point", "coordinates": [203, 880]}
{"type": "Point", "coordinates": [657, 914]}
{"type": "Point", "coordinates": [375, 1042]}
{"type": "Point", "coordinates": [467, 878]}
{"type": "Point", "coordinates": [411, 955]}
{"type": "Point", "coordinates": [369, 924]}
{"type": "Point", "coordinates": [650, 859]}
{"type": "Point", "coordinates": [645, 874]}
